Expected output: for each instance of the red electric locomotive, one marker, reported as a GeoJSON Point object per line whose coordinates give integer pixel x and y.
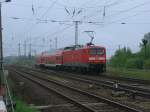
{"type": "Point", "coordinates": [83, 58]}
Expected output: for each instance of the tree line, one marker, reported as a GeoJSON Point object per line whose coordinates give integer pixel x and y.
{"type": "Point", "coordinates": [125, 58]}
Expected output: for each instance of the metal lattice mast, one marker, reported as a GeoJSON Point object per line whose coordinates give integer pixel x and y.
{"type": "Point", "coordinates": [76, 32]}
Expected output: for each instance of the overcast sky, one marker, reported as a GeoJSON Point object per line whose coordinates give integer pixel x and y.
{"type": "Point", "coordinates": [35, 26]}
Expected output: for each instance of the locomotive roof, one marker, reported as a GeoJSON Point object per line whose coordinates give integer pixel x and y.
{"type": "Point", "coordinates": [73, 47]}
{"type": "Point", "coordinates": [59, 51]}
{"type": "Point", "coordinates": [81, 46]}
{"type": "Point", "coordinates": [94, 46]}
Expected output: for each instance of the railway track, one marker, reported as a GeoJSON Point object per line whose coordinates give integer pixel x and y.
{"type": "Point", "coordinates": [81, 98]}
{"type": "Point", "coordinates": [134, 90]}
{"type": "Point", "coordinates": [135, 80]}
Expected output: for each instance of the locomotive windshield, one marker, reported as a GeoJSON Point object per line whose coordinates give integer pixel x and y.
{"type": "Point", "coordinates": [92, 51]}
{"type": "Point", "coordinates": [96, 51]}
{"type": "Point", "coordinates": [100, 51]}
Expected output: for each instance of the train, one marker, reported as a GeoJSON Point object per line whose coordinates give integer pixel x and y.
{"type": "Point", "coordinates": [84, 58]}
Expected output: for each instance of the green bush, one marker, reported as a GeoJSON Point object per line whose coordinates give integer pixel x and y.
{"type": "Point", "coordinates": [120, 57]}
{"type": "Point", "coordinates": [136, 63]}
{"type": "Point", "coordinates": [147, 64]}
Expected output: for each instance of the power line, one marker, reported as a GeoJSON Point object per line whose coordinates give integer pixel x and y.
{"type": "Point", "coordinates": [93, 14]}
{"type": "Point", "coordinates": [61, 21]}
{"type": "Point", "coordinates": [120, 12]}
{"type": "Point", "coordinates": [35, 45]}
{"type": "Point", "coordinates": [76, 29]}
{"type": "Point", "coordinates": [62, 5]}
{"type": "Point", "coordinates": [62, 29]}
{"type": "Point", "coordinates": [143, 12]}
{"type": "Point", "coordinates": [27, 6]}
{"type": "Point", "coordinates": [50, 7]}
{"type": "Point", "coordinates": [86, 7]}
{"type": "Point", "coordinates": [129, 9]}
{"type": "Point", "coordinates": [64, 21]}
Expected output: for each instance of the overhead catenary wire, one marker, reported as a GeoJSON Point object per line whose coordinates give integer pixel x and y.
{"type": "Point", "coordinates": [115, 21]}
{"type": "Point", "coordinates": [64, 28]}
{"type": "Point", "coordinates": [129, 9]}
{"type": "Point", "coordinates": [93, 14]}
{"type": "Point", "coordinates": [122, 19]}
{"type": "Point", "coordinates": [95, 6]}
{"type": "Point", "coordinates": [84, 18]}
{"type": "Point", "coordinates": [116, 14]}
{"type": "Point", "coordinates": [56, 1]}
{"type": "Point", "coordinates": [43, 15]}
{"type": "Point", "coordinates": [63, 21]}
{"type": "Point", "coordinates": [77, 7]}
{"type": "Point", "coordinates": [60, 31]}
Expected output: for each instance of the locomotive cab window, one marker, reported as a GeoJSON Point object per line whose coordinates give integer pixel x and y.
{"type": "Point", "coordinates": [100, 51]}
{"type": "Point", "coordinates": [92, 51]}
{"type": "Point", "coordinates": [96, 51]}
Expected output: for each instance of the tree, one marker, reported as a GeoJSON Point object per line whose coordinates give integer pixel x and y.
{"type": "Point", "coordinates": [145, 46]}
{"type": "Point", "coordinates": [120, 57]}
{"type": "Point", "coordinates": [125, 58]}
{"type": "Point", "coordinates": [147, 37]}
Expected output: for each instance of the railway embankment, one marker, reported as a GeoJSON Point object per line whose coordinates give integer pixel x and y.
{"type": "Point", "coordinates": [74, 80]}
{"type": "Point", "coordinates": [20, 103]}
{"type": "Point", "coordinates": [128, 73]}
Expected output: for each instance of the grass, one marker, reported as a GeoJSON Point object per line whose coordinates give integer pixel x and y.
{"type": "Point", "coordinates": [130, 73]}
{"type": "Point", "coordinates": [23, 107]}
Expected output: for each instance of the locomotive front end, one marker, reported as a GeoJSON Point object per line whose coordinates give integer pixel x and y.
{"type": "Point", "coordinates": [97, 59]}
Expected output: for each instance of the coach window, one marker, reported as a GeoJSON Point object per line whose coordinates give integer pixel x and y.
{"type": "Point", "coordinates": [92, 51]}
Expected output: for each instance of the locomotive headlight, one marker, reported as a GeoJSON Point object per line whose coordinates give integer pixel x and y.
{"type": "Point", "coordinates": [101, 58]}
{"type": "Point", "coordinates": [92, 58]}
